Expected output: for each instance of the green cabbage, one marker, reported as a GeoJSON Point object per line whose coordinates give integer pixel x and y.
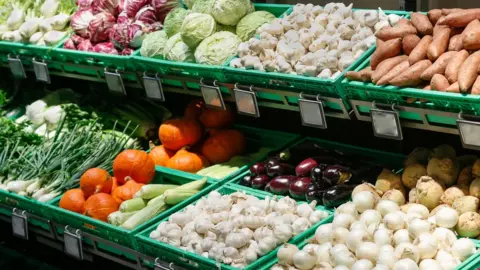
{"type": "Point", "coordinates": [203, 6]}
{"type": "Point", "coordinates": [229, 12]}
{"type": "Point", "coordinates": [248, 25]}
{"type": "Point", "coordinates": [189, 3]}
{"type": "Point", "coordinates": [154, 44]}
{"type": "Point", "coordinates": [229, 28]}
{"type": "Point", "coordinates": [173, 21]}
{"type": "Point", "coordinates": [177, 50]}
{"type": "Point", "coordinates": [217, 48]}
{"type": "Point", "coordinates": [197, 27]}
{"type": "Point", "coordinates": [251, 8]}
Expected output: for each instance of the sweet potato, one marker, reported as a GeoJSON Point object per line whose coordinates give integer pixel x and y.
{"type": "Point", "coordinates": [471, 36]}
{"type": "Point", "coordinates": [476, 87]}
{"type": "Point", "coordinates": [403, 22]}
{"type": "Point", "coordinates": [456, 31]}
{"type": "Point", "coordinates": [411, 76]}
{"type": "Point", "coordinates": [409, 42]}
{"type": "Point", "coordinates": [364, 75]}
{"type": "Point", "coordinates": [451, 71]}
{"type": "Point", "coordinates": [439, 44]}
{"type": "Point", "coordinates": [454, 88]}
{"type": "Point", "coordinates": [398, 31]}
{"type": "Point", "coordinates": [422, 23]}
{"type": "Point", "coordinates": [456, 43]}
{"type": "Point", "coordinates": [386, 50]}
{"type": "Point", "coordinates": [394, 72]}
{"type": "Point", "coordinates": [446, 11]}
{"type": "Point", "coordinates": [386, 65]}
{"type": "Point", "coordinates": [460, 18]}
{"type": "Point", "coordinates": [467, 74]}
{"type": "Point", "coordinates": [439, 82]}
{"type": "Point", "coordinates": [420, 51]}
{"type": "Point", "coordinates": [438, 66]}
{"type": "Point", "coordinates": [434, 15]}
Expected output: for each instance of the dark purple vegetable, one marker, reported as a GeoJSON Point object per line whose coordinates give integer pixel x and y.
{"type": "Point", "coordinates": [280, 169]}
{"type": "Point", "coordinates": [305, 167]}
{"type": "Point", "coordinates": [299, 188]}
{"type": "Point", "coordinates": [246, 181]}
{"type": "Point", "coordinates": [336, 175]}
{"type": "Point", "coordinates": [272, 162]}
{"type": "Point", "coordinates": [314, 193]}
{"type": "Point", "coordinates": [257, 168]}
{"type": "Point", "coordinates": [337, 195]}
{"type": "Point", "coordinates": [260, 181]}
{"type": "Point", "coordinates": [280, 184]}
{"type": "Point", "coordinates": [365, 173]}
{"type": "Point", "coordinates": [317, 175]}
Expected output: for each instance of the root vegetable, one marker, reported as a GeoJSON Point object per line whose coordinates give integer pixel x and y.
{"type": "Point", "coordinates": [385, 66]}
{"type": "Point", "coordinates": [451, 194]}
{"type": "Point", "coordinates": [398, 69]}
{"type": "Point", "coordinates": [446, 217]}
{"type": "Point", "coordinates": [456, 43]}
{"type": "Point", "coordinates": [412, 173]}
{"type": "Point", "coordinates": [411, 76]}
{"type": "Point", "coordinates": [367, 187]}
{"type": "Point", "coordinates": [468, 224]}
{"type": "Point", "coordinates": [436, 209]}
{"type": "Point", "coordinates": [439, 43]}
{"type": "Point", "coordinates": [451, 71]}
{"type": "Point", "coordinates": [475, 188]}
{"type": "Point", "coordinates": [460, 18]}
{"type": "Point", "coordinates": [439, 82]}
{"type": "Point", "coordinates": [476, 169]}
{"type": "Point", "coordinates": [468, 72]}
{"type": "Point", "coordinates": [446, 11]}
{"type": "Point", "coordinates": [386, 50]}
{"type": "Point", "coordinates": [420, 51]}
{"type": "Point", "coordinates": [399, 31]}
{"type": "Point", "coordinates": [434, 15]}
{"type": "Point", "coordinates": [388, 180]}
{"type": "Point", "coordinates": [439, 66]}
{"type": "Point", "coordinates": [404, 22]}
{"type": "Point", "coordinates": [409, 43]}
{"type": "Point", "coordinates": [428, 192]}
{"type": "Point", "coordinates": [466, 204]}
{"type": "Point", "coordinates": [465, 176]}
{"type": "Point", "coordinates": [443, 166]}
{"type": "Point", "coordinates": [422, 23]}
{"type": "Point", "coordinates": [453, 88]}
{"type": "Point", "coordinates": [394, 195]}
{"type": "Point", "coordinates": [364, 75]}
{"type": "Point", "coordinates": [476, 87]}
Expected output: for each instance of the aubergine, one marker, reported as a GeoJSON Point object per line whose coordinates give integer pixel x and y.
{"type": "Point", "coordinates": [260, 181]}
{"type": "Point", "coordinates": [337, 195]}
{"type": "Point", "coordinates": [257, 169]}
{"type": "Point", "coordinates": [246, 181]}
{"type": "Point", "coordinates": [365, 173]}
{"type": "Point", "coordinates": [305, 167]}
{"type": "Point", "coordinates": [314, 193]}
{"type": "Point", "coordinates": [280, 185]}
{"type": "Point", "coordinates": [280, 169]}
{"type": "Point", "coordinates": [316, 174]}
{"type": "Point", "coordinates": [298, 188]}
{"type": "Point", "coordinates": [336, 175]}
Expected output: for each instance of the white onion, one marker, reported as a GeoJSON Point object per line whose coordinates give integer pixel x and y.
{"type": "Point", "coordinates": [419, 209]}
{"type": "Point", "coordinates": [362, 264]}
{"type": "Point", "coordinates": [446, 217]}
{"type": "Point", "coordinates": [446, 260]}
{"type": "Point", "coordinates": [407, 251]}
{"type": "Point", "coordinates": [401, 236]}
{"type": "Point", "coordinates": [364, 200]}
{"type": "Point", "coordinates": [381, 267]}
{"type": "Point", "coordinates": [405, 264]}
{"type": "Point", "coordinates": [386, 206]}
{"type": "Point", "coordinates": [354, 238]}
{"type": "Point", "coordinates": [304, 260]}
{"type": "Point", "coordinates": [418, 226]}
{"type": "Point", "coordinates": [463, 248]}
{"type": "Point", "coordinates": [427, 245]}
{"type": "Point", "coordinates": [285, 254]}
{"type": "Point", "coordinates": [341, 267]}
{"type": "Point", "coordinates": [367, 250]}
{"type": "Point", "coordinates": [323, 252]}
{"type": "Point", "coordinates": [342, 221]}
{"type": "Point", "coordinates": [383, 237]}
{"type": "Point", "coordinates": [393, 221]}
{"type": "Point", "coordinates": [345, 258]}
{"type": "Point", "coordinates": [386, 256]}
{"type": "Point", "coordinates": [340, 235]}
{"type": "Point", "coordinates": [358, 225]}
{"type": "Point", "coordinates": [430, 264]}
{"type": "Point", "coordinates": [347, 208]}
{"type": "Point", "coordinates": [371, 217]}
{"type": "Point", "coordinates": [324, 233]}
{"type": "Point", "coordinates": [445, 238]}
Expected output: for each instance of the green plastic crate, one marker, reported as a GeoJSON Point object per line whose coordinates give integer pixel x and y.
{"type": "Point", "coordinates": [116, 234]}
{"type": "Point", "coordinates": [454, 102]}
{"type": "Point", "coordinates": [295, 83]}
{"type": "Point", "coordinates": [25, 50]}
{"type": "Point", "coordinates": [25, 203]}
{"type": "Point", "coordinates": [256, 138]}
{"type": "Point", "coordinates": [182, 258]}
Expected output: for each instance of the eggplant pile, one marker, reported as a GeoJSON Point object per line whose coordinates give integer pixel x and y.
{"type": "Point", "coordinates": [309, 172]}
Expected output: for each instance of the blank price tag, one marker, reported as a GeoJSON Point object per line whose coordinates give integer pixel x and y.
{"type": "Point", "coordinates": [386, 124]}
{"type": "Point", "coordinates": [41, 71]}
{"type": "Point", "coordinates": [313, 114]}
{"type": "Point", "coordinates": [246, 102]}
{"type": "Point", "coordinates": [469, 133]}
{"type": "Point", "coordinates": [16, 67]}
{"type": "Point", "coordinates": [212, 96]}
{"type": "Point", "coordinates": [115, 82]}
{"type": "Point", "coordinates": [153, 88]}
{"type": "Point", "coordinates": [73, 244]}
{"type": "Point", "coordinates": [20, 224]}
{"type": "Point", "coordinates": [159, 266]}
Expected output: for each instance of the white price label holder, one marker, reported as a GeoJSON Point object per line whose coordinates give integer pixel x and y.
{"type": "Point", "coordinates": [212, 95]}
{"type": "Point", "coordinates": [159, 266]}
{"type": "Point", "coordinates": [386, 123]}
{"type": "Point", "coordinates": [115, 82]}
{"type": "Point", "coordinates": [246, 101]}
{"type": "Point", "coordinates": [73, 243]}
{"type": "Point", "coordinates": [41, 71]}
{"type": "Point", "coordinates": [469, 129]}
{"type": "Point", "coordinates": [20, 223]}
{"type": "Point", "coordinates": [16, 67]}
{"type": "Point", "coordinates": [153, 87]}
{"type": "Point", "coordinates": [312, 111]}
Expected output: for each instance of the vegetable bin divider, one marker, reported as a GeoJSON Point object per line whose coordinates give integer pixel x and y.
{"type": "Point", "coordinates": [437, 100]}
{"type": "Point", "coordinates": [296, 83]}
{"type": "Point", "coordinates": [181, 258]}
{"type": "Point", "coordinates": [117, 234]}
{"type": "Point", "coordinates": [256, 138]}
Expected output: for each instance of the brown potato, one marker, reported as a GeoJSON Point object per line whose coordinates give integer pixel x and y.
{"type": "Point", "coordinates": [438, 67]}
{"type": "Point", "coordinates": [422, 23]}
{"type": "Point", "coordinates": [385, 66]}
{"type": "Point", "coordinates": [468, 72]}
{"type": "Point", "coordinates": [399, 31]}
{"type": "Point", "coordinates": [476, 87]}
{"type": "Point", "coordinates": [394, 72]}
{"type": "Point", "coordinates": [439, 44]}
{"type": "Point", "coordinates": [434, 15]}
{"type": "Point", "coordinates": [411, 76]}
{"type": "Point", "coordinates": [454, 88]}
{"type": "Point", "coordinates": [386, 50]}
{"type": "Point", "coordinates": [439, 82]}
{"type": "Point", "coordinates": [409, 42]}
{"type": "Point", "coordinates": [456, 43]}
{"type": "Point", "coordinates": [460, 18]}
{"type": "Point", "coordinates": [451, 71]}
{"type": "Point", "coordinates": [420, 51]}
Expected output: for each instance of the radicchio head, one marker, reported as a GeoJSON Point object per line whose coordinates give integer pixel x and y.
{"type": "Point", "coordinates": [101, 26]}
{"type": "Point", "coordinates": [69, 44]}
{"type": "Point", "coordinates": [119, 35]}
{"type": "Point", "coordinates": [105, 47]}
{"type": "Point", "coordinates": [86, 46]}
{"type": "Point", "coordinates": [127, 51]}
{"type": "Point", "coordinates": [84, 4]}
{"type": "Point", "coordinates": [162, 7]}
{"type": "Point", "coordinates": [133, 6]}
{"type": "Point", "coordinates": [109, 6]}
{"type": "Point", "coordinates": [146, 15]}
{"type": "Point", "coordinates": [77, 39]}
{"type": "Point", "coordinates": [80, 21]}
{"type": "Point", "coordinates": [122, 18]}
